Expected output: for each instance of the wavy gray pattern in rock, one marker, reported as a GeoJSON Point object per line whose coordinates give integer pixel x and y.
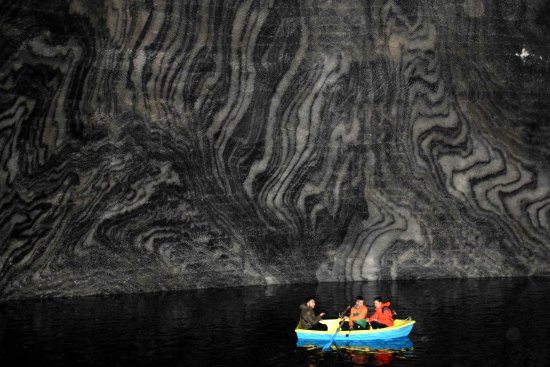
{"type": "Point", "coordinates": [157, 145]}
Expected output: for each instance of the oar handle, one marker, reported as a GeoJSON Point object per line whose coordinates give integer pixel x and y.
{"type": "Point", "coordinates": [343, 320]}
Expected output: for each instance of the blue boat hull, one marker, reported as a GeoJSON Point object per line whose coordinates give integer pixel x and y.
{"type": "Point", "coordinates": [401, 329]}
{"type": "Point", "coordinates": [369, 345]}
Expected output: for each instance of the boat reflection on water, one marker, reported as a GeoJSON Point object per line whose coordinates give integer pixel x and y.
{"type": "Point", "coordinates": [374, 352]}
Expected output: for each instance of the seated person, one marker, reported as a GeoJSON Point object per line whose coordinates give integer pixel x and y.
{"type": "Point", "coordinates": [357, 316]}
{"type": "Point", "coordinates": [308, 320]}
{"type": "Point", "coordinates": [383, 316]}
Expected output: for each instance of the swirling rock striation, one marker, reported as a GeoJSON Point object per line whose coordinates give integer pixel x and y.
{"type": "Point", "coordinates": [158, 145]}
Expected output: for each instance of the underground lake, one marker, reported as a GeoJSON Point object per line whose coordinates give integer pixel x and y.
{"type": "Point", "coordinates": [459, 322]}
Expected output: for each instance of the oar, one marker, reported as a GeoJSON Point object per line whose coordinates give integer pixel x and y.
{"type": "Point", "coordinates": [328, 345]}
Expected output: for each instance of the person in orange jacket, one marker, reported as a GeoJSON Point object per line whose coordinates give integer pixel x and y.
{"type": "Point", "coordinates": [357, 315]}
{"type": "Point", "coordinates": [383, 316]}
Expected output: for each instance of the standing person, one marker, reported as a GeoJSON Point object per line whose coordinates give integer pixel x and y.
{"type": "Point", "coordinates": [383, 316]}
{"type": "Point", "coordinates": [308, 319]}
{"type": "Point", "coordinates": [357, 315]}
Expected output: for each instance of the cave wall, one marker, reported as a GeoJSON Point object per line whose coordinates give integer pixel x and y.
{"type": "Point", "coordinates": [162, 144]}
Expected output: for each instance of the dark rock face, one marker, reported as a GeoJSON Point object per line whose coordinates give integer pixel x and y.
{"type": "Point", "coordinates": [153, 145]}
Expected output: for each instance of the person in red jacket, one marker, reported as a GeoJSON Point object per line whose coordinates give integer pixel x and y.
{"type": "Point", "coordinates": [383, 316]}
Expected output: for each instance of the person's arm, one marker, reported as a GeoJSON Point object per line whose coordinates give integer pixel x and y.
{"type": "Point", "coordinates": [374, 317]}
{"type": "Point", "coordinates": [363, 314]}
{"type": "Point", "coordinates": [318, 317]}
{"type": "Point", "coordinates": [352, 316]}
{"type": "Point", "coordinates": [311, 318]}
{"type": "Point", "coordinates": [304, 319]}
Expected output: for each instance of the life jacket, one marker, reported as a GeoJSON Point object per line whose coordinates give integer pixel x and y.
{"type": "Point", "coordinates": [358, 315]}
{"type": "Point", "coordinates": [383, 315]}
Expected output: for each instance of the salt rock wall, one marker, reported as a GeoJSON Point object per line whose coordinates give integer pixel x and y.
{"type": "Point", "coordinates": [163, 144]}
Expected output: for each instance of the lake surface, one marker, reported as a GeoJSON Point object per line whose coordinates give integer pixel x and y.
{"type": "Point", "coordinates": [487, 322]}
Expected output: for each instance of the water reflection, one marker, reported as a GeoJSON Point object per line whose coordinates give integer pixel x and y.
{"type": "Point", "coordinates": [363, 353]}
{"type": "Point", "coordinates": [458, 322]}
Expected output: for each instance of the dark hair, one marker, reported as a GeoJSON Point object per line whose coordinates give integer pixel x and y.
{"type": "Point", "coordinates": [379, 299]}
{"type": "Point", "coordinates": [309, 299]}
{"type": "Point", "coordinates": [359, 298]}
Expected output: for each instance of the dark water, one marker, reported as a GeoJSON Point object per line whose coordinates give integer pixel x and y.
{"type": "Point", "coordinates": [498, 322]}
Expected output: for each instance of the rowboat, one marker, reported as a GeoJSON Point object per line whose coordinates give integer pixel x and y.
{"type": "Point", "coordinates": [400, 329]}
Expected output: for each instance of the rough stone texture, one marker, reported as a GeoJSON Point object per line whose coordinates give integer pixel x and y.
{"type": "Point", "coordinates": [153, 145]}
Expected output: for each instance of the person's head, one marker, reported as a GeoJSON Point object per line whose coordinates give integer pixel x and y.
{"type": "Point", "coordinates": [378, 302]}
{"type": "Point", "coordinates": [310, 302]}
{"type": "Point", "coordinates": [359, 301]}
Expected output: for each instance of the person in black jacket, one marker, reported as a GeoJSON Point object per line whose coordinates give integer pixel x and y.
{"type": "Point", "coordinates": [308, 319]}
